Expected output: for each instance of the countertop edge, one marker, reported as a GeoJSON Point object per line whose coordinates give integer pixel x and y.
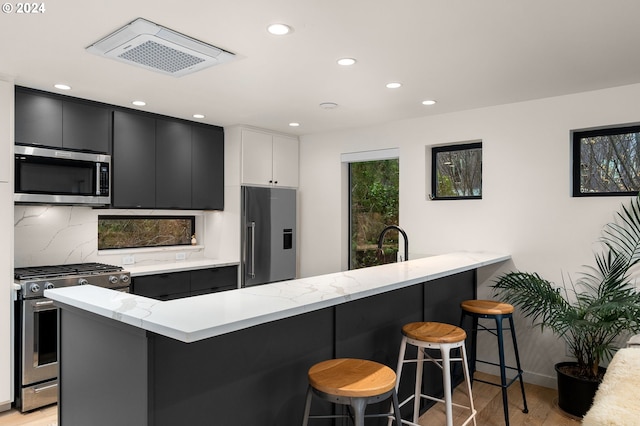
{"type": "Point", "coordinates": [200, 317]}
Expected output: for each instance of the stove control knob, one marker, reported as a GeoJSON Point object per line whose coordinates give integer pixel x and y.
{"type": "Point", "coordinates": [113, 279]}
{"type": "Point", "coordinates": [83, 281]}
{"type": "Point", "coordinates": [34, 287]}
{"type": "Point", "coordinates": [124, 278]}
{"type": "Point", "coordinates": [48, 285]}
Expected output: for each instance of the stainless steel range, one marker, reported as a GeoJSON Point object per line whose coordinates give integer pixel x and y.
{"type": "Point", "coordinates": [37, 324]}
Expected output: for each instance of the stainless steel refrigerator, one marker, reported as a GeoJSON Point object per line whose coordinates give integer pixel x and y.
{"type": "Point", "coordinates": [268, 235]}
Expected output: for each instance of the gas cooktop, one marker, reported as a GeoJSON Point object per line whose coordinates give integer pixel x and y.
{"type": "Point", "coordinates": [34, 280]}
{"type": "Point", "coordinates": [52, 271]}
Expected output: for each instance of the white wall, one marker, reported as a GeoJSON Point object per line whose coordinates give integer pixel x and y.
{"type": "Point", "coordinates": [526, 209]}
{"type": "Point", "coordinates": [6, 245]}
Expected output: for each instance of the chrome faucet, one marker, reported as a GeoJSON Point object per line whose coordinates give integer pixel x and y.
{"type": "Point", "coordinates": [404, 235]}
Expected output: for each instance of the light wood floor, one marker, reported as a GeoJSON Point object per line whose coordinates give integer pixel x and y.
{"type": "Point", "coordinates": [541, 401]}
{"type": "Point", "coordinates": [543, 410]}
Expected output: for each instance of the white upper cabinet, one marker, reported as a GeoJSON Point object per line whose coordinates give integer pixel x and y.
{"type": "Point", "coordinates": [285, 161]}
{"type": "Point", "coordinates": [269, 159]}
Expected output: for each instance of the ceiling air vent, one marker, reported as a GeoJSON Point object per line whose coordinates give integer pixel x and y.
{"type": "Point", "coordinates": [160, 49]}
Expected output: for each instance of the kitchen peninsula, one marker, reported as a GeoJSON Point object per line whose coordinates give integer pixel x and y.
{"type": "Point", "coordinates": [240, 357]}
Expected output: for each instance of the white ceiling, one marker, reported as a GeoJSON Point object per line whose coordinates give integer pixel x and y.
{"type": "Point", "coordinates": [463, 53]}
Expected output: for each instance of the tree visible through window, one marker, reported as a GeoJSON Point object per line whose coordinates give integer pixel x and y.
{"type": "Point", "coordinates": [374, 205]}
{"type": "Point", "coordinates": [606, 161]}
{"type": "Point", "coordinates": [456, 171]}
{"type": "Point", "coordinates": [116, 232]}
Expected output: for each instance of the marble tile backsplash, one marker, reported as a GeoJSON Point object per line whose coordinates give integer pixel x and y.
{"type": "Point", "coordinates": [54, 235]}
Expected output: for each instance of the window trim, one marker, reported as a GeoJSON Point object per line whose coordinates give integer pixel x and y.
{"type": "Point", "coordinates": [434, 169]}
{"type": "Point", "coordinates": [576, 136]}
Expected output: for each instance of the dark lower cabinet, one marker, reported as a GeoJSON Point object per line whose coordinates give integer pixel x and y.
{"type": "Point", "coordinates": [163, 286]}
{"type": "Point", "coordinates": [212, 280]}
{"type": "Point", "coordinates": [176, 285]}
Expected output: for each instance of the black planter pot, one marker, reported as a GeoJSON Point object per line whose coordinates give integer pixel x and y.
{"type": "Point", "coordinates": [575, 395]}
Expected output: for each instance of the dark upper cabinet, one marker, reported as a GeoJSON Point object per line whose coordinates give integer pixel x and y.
{"type": "Point", "coordinates": [86, 126]}
{"type": "Point", "coordinates": [157, 162]}
{"type": "Point", "coordinates": [207, 170]}
{"type": "Point", "coordinates": [166, 164]}
{"type": "Point", "coordinates": [45, 119]}
{"type": "Point", "coordinates": [133, 161]}
{"type": "Point", "coordinates": [173, 164]}
{"type": "Point", "coordinates": [38, 119]}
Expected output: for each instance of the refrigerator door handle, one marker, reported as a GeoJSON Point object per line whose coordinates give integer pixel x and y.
{"type": "Point", "coordinates": [252, 262]}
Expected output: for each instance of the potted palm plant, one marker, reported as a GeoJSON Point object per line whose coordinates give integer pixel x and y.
{"type": "Point", "coordinates": [591, 313]}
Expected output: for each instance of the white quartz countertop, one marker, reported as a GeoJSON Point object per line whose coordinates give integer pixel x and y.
{"type": "Point", "coordinates": [200, 317]}
{"type": "Point", "coordinates": [141, 269]}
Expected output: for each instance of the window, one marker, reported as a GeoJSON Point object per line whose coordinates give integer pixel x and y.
{"type": "Point", "coordinates": [116, 232]}
{"type": "Point", "coordinates": [606, 161]}
{"type": "Point", "coordinates": [456, 172]}
{"type": "Point", "coordinates": [374, 204]}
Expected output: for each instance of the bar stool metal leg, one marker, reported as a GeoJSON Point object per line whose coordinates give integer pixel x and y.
{"type": "Point", "coordinates": [446, 382]}
{"type": "Point", "coordinates": [468, 380]}
{"type": "Point", "coordinates": [418, 385]}
{"type": "Point", "coordinates": [503, 371]}
{"type": "Point", "coordinates": [358, 405]}
{"type": "Point", "coordinates": [515, 348]}
{"type": "Point", "coordinates": [497, 311]}
{"type": "Point", "coordinates": [307, 407]}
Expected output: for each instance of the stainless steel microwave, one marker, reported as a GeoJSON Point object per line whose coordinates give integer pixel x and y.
{"type": "Point", "coordinates": [46, 175]}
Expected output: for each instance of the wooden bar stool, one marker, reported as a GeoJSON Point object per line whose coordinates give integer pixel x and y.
{"type": "Point", "coordinates": [497, 311]}
{"type": "Point", "coordinates": [352, 382]}
{"type": "Point", "coordinates": [445, 337]}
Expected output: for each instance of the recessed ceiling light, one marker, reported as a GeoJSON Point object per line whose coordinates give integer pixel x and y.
{"type": "Point", "coordinates": [139, 103]}
{"type": "Point", "coordinates": [198, 115]}
{"type": "Point", "coordinates": [346, 61]}
{"type": "Point", "coordinates": [393, 85]}
{"type": "Point", "coordinates": [62, 86]}
{"type": "Point", "coordinates": [328, 105]}
{"type": "Point", "coordinates": [279, 29]}
{"type": "Point", "coordinates": [294, 124]}
{"type": "Point", "coordinates": [428, 102]}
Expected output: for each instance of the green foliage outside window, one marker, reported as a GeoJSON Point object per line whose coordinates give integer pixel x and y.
{"type": "Point", "coordinates": [116, 232]}
{"type": "Point", "coordinates": [374, 205]}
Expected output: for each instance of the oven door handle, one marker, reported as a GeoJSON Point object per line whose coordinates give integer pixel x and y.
{"type": "Point", "coordinates": [44, 303]}
{"type": "Point", "coordinates": [44, 388]}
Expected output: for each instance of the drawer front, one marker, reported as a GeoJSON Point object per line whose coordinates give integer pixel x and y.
{"type": "Point", "coordinates": [162, 286]}
{"type": "Point", "coordinates": [214, 279]}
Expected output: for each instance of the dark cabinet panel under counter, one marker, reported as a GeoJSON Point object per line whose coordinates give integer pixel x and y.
{"type": "Point", "coordinates": [246, 348]}
{"type": "Point", "coordinates": [176, 285]}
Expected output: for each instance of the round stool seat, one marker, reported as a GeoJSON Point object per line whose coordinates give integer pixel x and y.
{"type": "Point", "coordinates": [487, 307]}
{"type": "Point", "coordinates": [434, 332]}
{"type": "Point", "coordinates": [356, 378]}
